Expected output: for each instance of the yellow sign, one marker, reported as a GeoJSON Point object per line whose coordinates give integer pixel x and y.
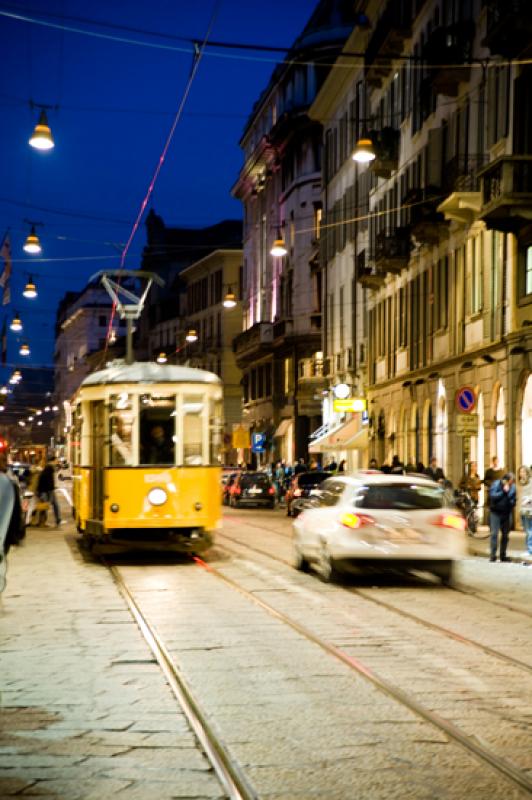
{"type": "Point", "coordinates": [350, 404]}
{"type": "Point", "coordinates": [241, 438]}
{"type": "Point", "coordinates": [467, 425]}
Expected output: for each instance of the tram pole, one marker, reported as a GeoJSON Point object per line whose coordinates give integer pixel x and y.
{"type": "Point", "coordinates": [129, 341]}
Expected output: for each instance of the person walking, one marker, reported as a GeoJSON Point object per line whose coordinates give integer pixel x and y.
{"type": "Point", "coordinates": [470, 482]}
{"type": "Point", "coordinates": [502, 502]}
{"type": "Point", "coordinates": [46, 489]}
{"type": "Point", "coordinates": [526, 516]}
{"type": "Point", "coordinates": [300, 466]}
{"type": "Point", "coordinates": [434, 471]}
{"type": "Point", "coordinates": [397, 467]}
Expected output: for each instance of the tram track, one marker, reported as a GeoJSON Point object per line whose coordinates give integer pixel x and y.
{"type": "Point", "coordinates": [406, 614]}
{"type": "Point", "coordinates": [228, 772]}
{"type": "Point", "coordinates": [512, 773]}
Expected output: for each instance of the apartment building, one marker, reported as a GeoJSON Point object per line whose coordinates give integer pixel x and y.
{"type": "Point", "coordinates": [428, 259]}
{"type": "Point", "coordinates": [279, 348]}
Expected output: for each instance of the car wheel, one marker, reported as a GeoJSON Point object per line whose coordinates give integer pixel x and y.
{"type": "Point", "coordinates": [301, 562]}
{"type": "Point", "coordinates": [326, 567]}
{"type": "Point", "coordinates": [444, 571]}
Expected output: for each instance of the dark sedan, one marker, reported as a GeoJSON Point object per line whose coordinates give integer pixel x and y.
{"type": "Point", "coordinates": [300, 488]}
{"type": "Point", "coordinates": [252, 489]}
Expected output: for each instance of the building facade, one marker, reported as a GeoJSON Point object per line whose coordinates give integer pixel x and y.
{"type": "Point", "coordinates": [208, 282]}
{"type": "Point", "coordinates": [433, 238]}
{"type": "Point", "coordinates": [279, 349]}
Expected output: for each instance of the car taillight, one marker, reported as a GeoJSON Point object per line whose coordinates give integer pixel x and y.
{"type": "Point", "coordinates": [297, 492]}
{"type": "Point", "coordinates": [349, 520]}
{"type": "Point", "coordinates": [450, 521]}
{"type": "Point", "coordinates": [271, 490]}
{"type": "Point", "coordinates": [237, 490]}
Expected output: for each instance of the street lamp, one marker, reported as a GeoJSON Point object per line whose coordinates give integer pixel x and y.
{"type": "Point", "coordinates": [279, 248]}
{"type": "Point", "coordinates": [24, 349]}
{"type": "Point", "coordinates": [32, 244]}
{"type": "Point", "coordinates": [161, 358]}
{"type": "Point", "coordinates": [41, 138]}
{"type": "Point", "coordinates": [364, 151]}
{"type": "Point", "coordinates": [16, 324]}
{"type": "Point", "coordinates": [191, 336]}
{"type": "Point", "coordinates": [30, 290]}
{"type": "Point", "coordinates": [229, 299]}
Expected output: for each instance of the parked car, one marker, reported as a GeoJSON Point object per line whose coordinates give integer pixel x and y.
{"type": "Point", "coordinates": [301, 487]}
{"type": "Point", "coordinates": [252, 489]}
{"type": "Point", "coordinates": [372, 520]}
{"type": "Point", "coordinates": [228, 480]}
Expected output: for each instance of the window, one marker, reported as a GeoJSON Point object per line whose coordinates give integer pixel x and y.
{"type": "Point", "coordinates": [216, 430]}
{"type": "Point", "coordinates": [121, 418]}
{"type": "Point", "coordinates": [399, 497]}
{"type": "Point", "coordinates": [157, 429]}
{"type": "Point", "coordinates": [317, 220]}
{"type": "Point", "coordinates": [476, 274]}
{"type": "Point", "coordinates": [528, 270]}
{"type": "Point", "coordinates": [193, 413]}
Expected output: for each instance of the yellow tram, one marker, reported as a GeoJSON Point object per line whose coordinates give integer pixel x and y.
{"type": "Point", "coordinates": [146, 445]}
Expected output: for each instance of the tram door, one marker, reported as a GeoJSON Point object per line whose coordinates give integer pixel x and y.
{"type": "Point", "coordinates": [97, 455]}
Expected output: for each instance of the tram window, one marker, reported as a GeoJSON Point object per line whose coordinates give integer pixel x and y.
{"type": "Point", "coordinates": [157, 429]}
{"type": "Point", "coordinates": [121, 430]}
{"type": "Point", "coordinates": [75, 435]}
{"type": "Point", "coordinates": [216, 430]}
{"type": "Point", "coordinates": [193, 406]}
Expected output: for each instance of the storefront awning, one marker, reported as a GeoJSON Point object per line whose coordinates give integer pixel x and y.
{"type": "Point", "coordinates": [283, 427]}
{"type": "Point", "coordinates": [349, 436]}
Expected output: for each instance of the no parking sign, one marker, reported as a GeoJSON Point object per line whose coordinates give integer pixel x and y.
{"type": "Point", "coordinates": [466, 399]}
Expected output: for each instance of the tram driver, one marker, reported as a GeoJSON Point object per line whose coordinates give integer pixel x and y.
{"type": "Point", "coordinates": [158, 449]}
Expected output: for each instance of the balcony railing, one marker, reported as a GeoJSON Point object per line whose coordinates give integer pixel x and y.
{"type": "Point", "coordinates": [310, 370]}
{"type": "Point", "coordinates": [391, 29]}
{"type": "Point", "coordinates": [508, 27]}
{"type": "Point", "coordinates": [507, 193]}
{"type": "Point", "coordinates": [426, 224]}
{"type": "Point", "coordinates": [392, 250]}
{"type": "Point", "coordinates": [461, 173]}
{"type": "Point", "coordinates": [255, 339]}
{"type": "Point", "coordinates": [448, 51]}
{"type": "Point", "coordinates": [366, 272]}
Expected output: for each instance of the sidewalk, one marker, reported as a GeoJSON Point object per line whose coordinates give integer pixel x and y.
{"type": "Point", "coordinates": [85, 712]}
{"type": "Point", "coordinates": [516, 546]}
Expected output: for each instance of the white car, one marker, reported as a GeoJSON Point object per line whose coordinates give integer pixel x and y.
{"type": "Point", "coordinates": [370, 519]}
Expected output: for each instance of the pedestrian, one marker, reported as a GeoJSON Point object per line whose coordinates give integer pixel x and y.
{"type": "Point", "coordinates": [470, 482]}
{"type": "Point", "coordinates": [526, 515]}
{"type": "Point", "coordinates": [12, 527]}
{"type": "Point", "coordinates": [278, 477]}
{"type": "Point", "coordinates": [397, 467]}
{"type": "Point", "coordinates": [434, 471]}
{"type": "Point", "coordinates": [332, 466]}
{"type": "Point", "coordinates": [341, 465]}
{"type": "Point", "coordinates": [46, 489]}
{"type": "Point", "coordinates": [410, 467]}
{"type": "Point", "coordinates": [300, 466]}
{"type": "Point", "coordinates": [493, 473]}
{"type": "Point", "coordinates": [502, 502]}
{"type": "Point", "coordinates": [373, 463]}
{"type": "Point", "coordinates": [420, 469]}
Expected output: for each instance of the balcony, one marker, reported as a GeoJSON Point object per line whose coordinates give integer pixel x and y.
{"type": "Point", "coordinates": [367, 274]}
{"type": "Point", "coordinates": [392, 250]}
{"type": "Point", "coordinates": [283, 328]}
{"type": "Point", "coordinates": [508, 27]}
{"type": "Point", "coordinates": [427, 224]}
{"type": "Point", "coordinates": [386, 144]}
{"type": "Point", "coordinates": [391, 30]}
{"type": "Point", "coordinates": [254, 342]}
{"type": "Point", "coordinates": [447, 52]}
{"type": "Point", "coordinates": [506, 187]}
{"type": "Point", "coordinates": [463, 184]}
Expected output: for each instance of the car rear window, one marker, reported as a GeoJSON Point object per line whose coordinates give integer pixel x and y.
{"type": "Point", "coordinates": [254, 480]}
{"type": "Point", "coordinates": [312, 478]}
{"type": "Point", "coordinates": [400, 497]}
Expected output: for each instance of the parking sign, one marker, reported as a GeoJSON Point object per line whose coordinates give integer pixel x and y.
{"type": "Point", "coordinates": [258, 442]}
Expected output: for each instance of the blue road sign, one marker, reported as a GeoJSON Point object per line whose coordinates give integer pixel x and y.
{"type": "Point", "coordinates": [258, 442]}
{"type": "Point", "coordinates": [466, 399]}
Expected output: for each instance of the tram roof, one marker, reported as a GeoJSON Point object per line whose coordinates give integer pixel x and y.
{"type": "Point", "coordinates": [147, 372]}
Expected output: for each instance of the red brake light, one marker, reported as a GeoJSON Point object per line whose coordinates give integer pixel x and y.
{"type": "Point", "coordinates": [354, 521]}
{"type": "Point", "coordinates": [236, 490]}
{"type": "Point", "coordinates": [450, 521]}
{"type": "Point", "coordinates": [271, 490]}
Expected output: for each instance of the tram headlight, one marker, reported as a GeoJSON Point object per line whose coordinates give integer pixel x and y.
{"type": "Point", "coordinates": [157, 496]}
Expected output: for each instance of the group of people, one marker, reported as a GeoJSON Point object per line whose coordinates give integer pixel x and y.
{"type": "Point", "coordinates": [282, 473]}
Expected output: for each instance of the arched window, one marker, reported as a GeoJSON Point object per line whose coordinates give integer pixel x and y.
{"type": "Point", "coordinates": [441, 433]}
{"type": "Point", "coordinates": [500, 422]}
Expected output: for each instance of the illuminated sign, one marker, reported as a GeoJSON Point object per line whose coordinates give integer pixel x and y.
{"type": "Point", "coordinates": [350, 404]}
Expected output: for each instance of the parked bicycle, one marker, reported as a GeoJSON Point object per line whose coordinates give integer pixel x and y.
{"type": "Point", "coordinates": [469, 509]}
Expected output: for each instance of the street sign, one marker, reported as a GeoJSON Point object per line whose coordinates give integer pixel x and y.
{"type": "Point", "coordinates": [258, 442]}
{"type": "Point", "coordinates": [351, 404]}
{"type": "Point", "coordinates": [466, 399]}
{"type": "Point", "coordinates": [467, 425]}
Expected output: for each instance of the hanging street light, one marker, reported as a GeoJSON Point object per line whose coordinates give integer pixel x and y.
{"type": "Point", "coordinates": [191, 336]}
{"type": "Point", "coordinates": [30, 290]}
{"type": "Point", "coordinates": [112, 336]}
{"type": "Point", "coordinates": [41, 138]}
{"type": "Point", "coordinates": [32, 244]}
{"type": "Point", "coordinates": [364, 151]}
{"type": "Point", "coordinates": [229, 299]}
{"type": "Point", "coordinates": [161, 358]}
{"type": "Point", "coordinates": [16, 324]}
{"type": "Point", "coordinates": [24, 349]}
{"type": "Point", "coordinates": [279, 248]}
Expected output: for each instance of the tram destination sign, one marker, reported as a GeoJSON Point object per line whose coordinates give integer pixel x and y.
{"type": "Point", "coordinates": [467, 425]}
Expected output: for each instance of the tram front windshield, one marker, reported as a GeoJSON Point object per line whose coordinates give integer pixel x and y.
{"type": "Point", "coordinates": [157, 430]}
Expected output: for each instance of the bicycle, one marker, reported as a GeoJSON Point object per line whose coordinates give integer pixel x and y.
{"type": "Point", "coordinates": [469, 509]}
